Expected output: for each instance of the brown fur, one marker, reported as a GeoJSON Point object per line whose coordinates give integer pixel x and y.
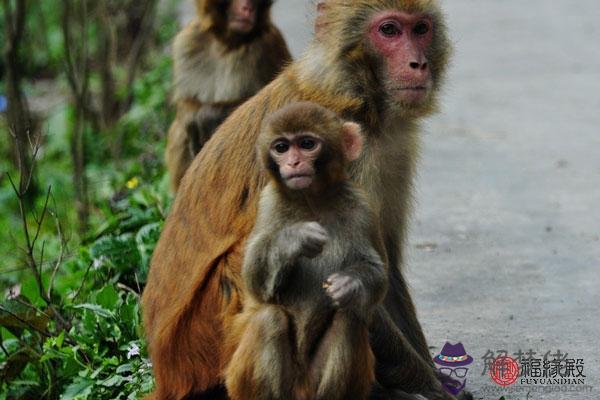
{"type": "Point", "coordinates": [193, 291]}
{"type": "Point", "coordinates": [292, 341]}
{"type": "Point", "coordinates": [220, 71]}
{"type": "Point", "coordinates": [245, 382]}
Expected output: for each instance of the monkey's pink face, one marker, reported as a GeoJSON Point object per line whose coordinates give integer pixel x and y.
{"type": "Point", "coordinates": [402, 40]}
{"type": "Point", "coordinates": [296, 156]}
{"type": "Point", "coordinates": [241, 15]}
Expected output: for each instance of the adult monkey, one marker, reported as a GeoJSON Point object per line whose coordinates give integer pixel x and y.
{"type": "Point", "coordinates": [377, 62]}
{"type": "Point", "coordinates": [229, 52]}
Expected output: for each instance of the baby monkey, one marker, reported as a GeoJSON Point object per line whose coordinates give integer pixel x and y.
{"type": "Point", "coordinates": [312, 268]}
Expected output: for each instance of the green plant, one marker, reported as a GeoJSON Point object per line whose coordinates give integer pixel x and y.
{"type": "Point", "coordinates": [77, 333]}
{"type": "Point", "coordinates": [70, 325]}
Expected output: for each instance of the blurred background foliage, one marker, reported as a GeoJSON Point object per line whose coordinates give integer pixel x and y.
{"type": "Point", "coordinates": [84, 89]}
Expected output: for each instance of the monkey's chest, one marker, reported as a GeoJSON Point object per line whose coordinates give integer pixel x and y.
{"type": "Point", "coordinates": [305, 293]}
{"type": "Point", "coordinates": [232, 76]}
{"type": "Point", "coordinates": [308, 305]}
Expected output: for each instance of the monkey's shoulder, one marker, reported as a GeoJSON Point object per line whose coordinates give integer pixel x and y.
{"type": "Point", "coordinates": [191, 39]}
{"type": "Point", "coordinates": [348, 214]}
{"type": "Point", "coordinates": [352, 204]}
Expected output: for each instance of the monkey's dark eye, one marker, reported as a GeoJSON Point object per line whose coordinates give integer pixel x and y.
{"type": "Point", "coordinates": [308, 144]}
{"type": "Point", "coordinates": [281, 147]}
{"type": "Point", "coordinates": [421, 28]}
{"type": "Point", "coordinates": [389, 29]}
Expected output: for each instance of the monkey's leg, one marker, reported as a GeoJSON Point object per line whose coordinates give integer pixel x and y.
{"type": "Point", "coordinates": [215, 393]}
{"type": "Point", "coordinates": [205, 123]}
{"type": "Point", "coordinates": [399, 368]}
{"type": "Point", "coordinates": [262, 367]}
{"type": "Point", "coordinates": [397, 338]}
{"type": "Point", "coordinates": [380, 393]}
{"type": "Point", "coordinates": [343, 365]}
{"type": "Point", "coordinates": [398, 302]}
{"type": "Point", "coordinates": [177, 154]}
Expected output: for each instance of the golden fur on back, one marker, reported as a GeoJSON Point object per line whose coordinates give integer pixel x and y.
{"type": "Point", "coordinates": [194, 287]}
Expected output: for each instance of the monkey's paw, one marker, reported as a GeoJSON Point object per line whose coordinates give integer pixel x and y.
{"type": "Point", "coordinates": [311, 238]}
{"type": "Point", "coordinates": [344, 290]}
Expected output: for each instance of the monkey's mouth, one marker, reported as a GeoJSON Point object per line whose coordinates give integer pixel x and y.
{"type": "Point", "coordinates": [298, 181]}
{"type": "Point", "coordinates": [412, 94]}
{"type": "Point", "coordinates": [412, 88]}
{"type": "Point", "coordinates": [242, 24]}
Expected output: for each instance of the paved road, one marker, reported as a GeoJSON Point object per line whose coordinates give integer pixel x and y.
{"type": "Point", "coordinates": [504, 250]}
{"type": "Point", "coordinates": [505, 245]}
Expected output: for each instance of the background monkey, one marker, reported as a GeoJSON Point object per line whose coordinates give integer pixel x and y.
{"type": "Point", "coordinates": [223, 57]}
{"type": "Point", "coordinates": [301, 338]}
{"type": "Point", "coordinates": [380, 63]}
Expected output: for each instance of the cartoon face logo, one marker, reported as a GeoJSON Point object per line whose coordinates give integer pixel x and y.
{"type": "Point", "coordinates": [451, 365]}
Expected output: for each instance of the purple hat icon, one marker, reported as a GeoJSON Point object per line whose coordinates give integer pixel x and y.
{"type": "Point", "coordinates": [453, 355]}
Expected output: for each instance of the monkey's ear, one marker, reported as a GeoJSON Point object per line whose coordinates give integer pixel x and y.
{"type": "Point", "coordinates": [353, 140]}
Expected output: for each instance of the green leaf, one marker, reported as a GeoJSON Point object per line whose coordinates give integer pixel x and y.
{"type": "Point", "coordinates": [60, 339]}
{"type": "Point", "coordinates": [89, 322]}
{"type": "Point", "coordinates": [114, 380]}
{"type": "Point", "coordinates": [97, 372]}
{"type": "Point", "coordinates": [125, 368]}
{"type": "Point", "coordinates": [121, 251]}
{"type": "Point", "coordinates": [129, 315]}
{"type": "Point", "coordinates": [108, 298]}
{"type": "Point", "coordinates": [139, 217]}
{"type": "Point", "coordinates": [30, 289]}
{"type": "Point", "coordinates": [19, 316]}
{"type": "Point", "coordinates": [96, 309]}
{"type": "Point", "coordinates": [146, 240]}
{"type": "Point", "coordinates": [112, 361]}
{"type": "Point", "coordinates": [80, 389]}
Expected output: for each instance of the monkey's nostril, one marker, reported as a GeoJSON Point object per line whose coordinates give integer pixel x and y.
{"type": "Point", "coordinates": [414, 65]}
{"type": "Point", "coordinates": [424, 66]}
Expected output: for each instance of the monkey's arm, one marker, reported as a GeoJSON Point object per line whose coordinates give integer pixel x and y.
{"type": "Point", "coordinates": [361, 285]}
{"type": "Point", "coordinates": [372, 273]}
{"type": "Point", "coordinates": [270, 257]}
{"type": "Point", "coordinates": [193, 126]}
{"type": "Point", "coordinates": [178, 155]}
{"type": "Point", "coordinates": [204, 123]}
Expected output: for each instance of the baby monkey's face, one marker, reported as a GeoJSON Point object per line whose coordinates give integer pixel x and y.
{"type": "Point", "coordinates": [295, 155]}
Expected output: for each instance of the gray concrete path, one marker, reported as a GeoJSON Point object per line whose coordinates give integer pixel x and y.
{"type": "Point", "coordinates": [504, 250]}
{"type": "Point", "coordinates": [505, 245]}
